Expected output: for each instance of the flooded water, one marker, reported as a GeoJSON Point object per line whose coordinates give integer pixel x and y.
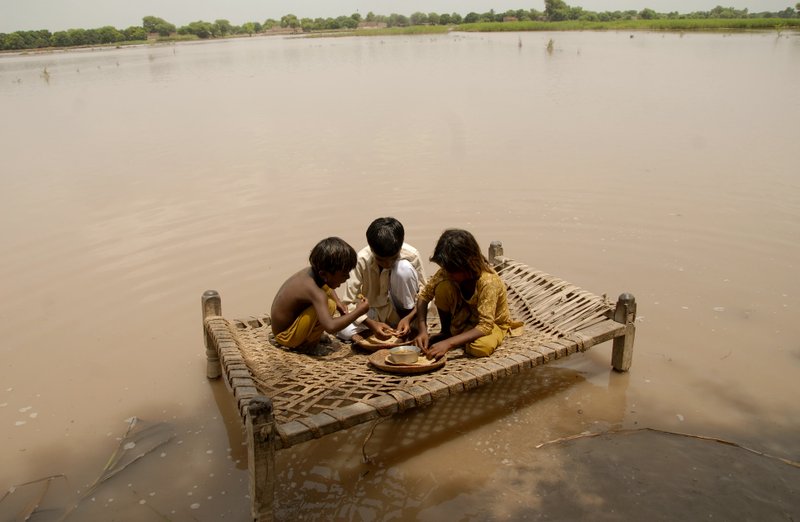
{"type": "Point", "coordinates": [660, 164]}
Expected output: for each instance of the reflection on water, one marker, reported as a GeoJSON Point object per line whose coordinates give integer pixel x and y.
{"type": "Point", "coordinates": [135, 179]}
{"type": "Point", "coordinates": [391, 465]}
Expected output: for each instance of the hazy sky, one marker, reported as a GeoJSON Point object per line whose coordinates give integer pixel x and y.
{"type": "Point", "coordinates": [66, 14]}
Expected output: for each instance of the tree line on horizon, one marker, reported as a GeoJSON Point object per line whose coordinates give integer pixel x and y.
{"type": "Point", "coordinates": [555, 11]}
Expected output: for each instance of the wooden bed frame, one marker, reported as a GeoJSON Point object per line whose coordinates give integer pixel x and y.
{"type": "Point", "coordinates": [285, 398]}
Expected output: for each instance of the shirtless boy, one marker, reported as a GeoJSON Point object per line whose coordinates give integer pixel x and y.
{"type": "Point", "coordinates": [304, 306]}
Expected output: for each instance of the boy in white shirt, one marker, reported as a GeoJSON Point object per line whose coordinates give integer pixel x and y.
{"type": "Point", "coordinates": [389, 273]}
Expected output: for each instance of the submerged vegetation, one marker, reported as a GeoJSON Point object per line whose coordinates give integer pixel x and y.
{"type": "Point", "coordinates": [663, 24]}
{"type": "Point", "coordinates": [557, 16]}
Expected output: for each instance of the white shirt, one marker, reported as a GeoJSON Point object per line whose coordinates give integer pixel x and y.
{"type": "Point", "coordinates": [369, 279]}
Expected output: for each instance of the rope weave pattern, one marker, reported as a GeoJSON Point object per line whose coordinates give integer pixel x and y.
{"type": "Point", "coordinates": [315, 395]}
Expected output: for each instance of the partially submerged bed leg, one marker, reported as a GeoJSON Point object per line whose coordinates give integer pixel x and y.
{"type": "Point", "coordinates": [212, 305]}
{"type": "Point", "coordinates": [625, 313]}
{"type": "Point", "coordinates": [260, 426]}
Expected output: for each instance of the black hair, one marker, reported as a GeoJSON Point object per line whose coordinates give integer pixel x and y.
{"type": "Point", "coordinates": [458, 251]}
{"type": "Point", "coordinates": [385, 236]}
{"type": "Point", "coordinates": [332, 254]}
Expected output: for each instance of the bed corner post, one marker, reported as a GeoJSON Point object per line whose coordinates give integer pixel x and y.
{"type": "Point", "coordinates": [495, 253]}
{"type": "Point", "coordinates": [212, 305]}
{"type": "Point", "coordinates": [625, 313]}
{"type": "Point", "coordinates": [261, 432]}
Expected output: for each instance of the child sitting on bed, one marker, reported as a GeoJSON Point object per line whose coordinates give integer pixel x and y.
{"type": "Point", "coordinates": [469, 296]}
{"type": "Point", "coordinates": [389, 273]}
{"type": "Point", "coordinates": [304, 306]}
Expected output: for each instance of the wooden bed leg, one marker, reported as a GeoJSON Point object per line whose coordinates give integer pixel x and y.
{"type": "Point", "coordinates": [212, 305]}
{"type": "Point", "coordinates": [260, 426]}
{"type": "Point", "coordinates": [495, 252]}
{"type": "Point", "coordinates": [625, 313]}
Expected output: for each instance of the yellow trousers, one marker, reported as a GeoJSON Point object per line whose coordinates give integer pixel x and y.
{"type": "Point", "coordinates": [306, 328]}
{"type": "Point", "coordinates": [448, 299]}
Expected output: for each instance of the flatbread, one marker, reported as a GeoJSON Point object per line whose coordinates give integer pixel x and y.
{"type": "Point", "coordinates": [372, 343]}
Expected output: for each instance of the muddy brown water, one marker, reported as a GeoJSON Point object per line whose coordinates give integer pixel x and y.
{"type": "Point", "coordinates": [660, 164]}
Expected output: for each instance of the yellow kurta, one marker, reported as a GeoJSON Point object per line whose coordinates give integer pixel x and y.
{"type": "Point", "coordinates": [486, 309]}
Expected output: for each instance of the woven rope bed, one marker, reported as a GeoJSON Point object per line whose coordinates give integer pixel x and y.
{"type": "Point", "coordinates": [285, 398]}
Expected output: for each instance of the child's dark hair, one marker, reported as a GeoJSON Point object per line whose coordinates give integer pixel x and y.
{"type": "Point", "coordinates": [458, 251]}
{"type": "Point", "coordinates": [385, 236]}
{"type": "Point", "coordinates": [332, 254]}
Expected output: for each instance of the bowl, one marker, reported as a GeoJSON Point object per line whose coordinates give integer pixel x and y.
{"type": "Point", "coordinates": [407, 354]}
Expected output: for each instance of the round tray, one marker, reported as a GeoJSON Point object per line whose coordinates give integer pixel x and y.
{"type": "Point", "coordinates": [378, 360]}
{"type": "Point", "coordinates": [372, 344]}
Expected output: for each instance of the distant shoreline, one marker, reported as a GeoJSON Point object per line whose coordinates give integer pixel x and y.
{"type": "Point", "coordinates": [661, 25]}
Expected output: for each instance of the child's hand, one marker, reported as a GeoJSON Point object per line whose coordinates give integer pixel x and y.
{"type": "Point", "coordinates": [341, 308]}
{"type": "Point", "coordinates": [362, 307]}
{"type": "Point", "coordinates": [439, 350]}
{"type": "Point", "coordinates": [403, 327]}
{"type": "Point", "coordinates": [421, 341]}
{"type": "Point", "coordinates": [382, 330]}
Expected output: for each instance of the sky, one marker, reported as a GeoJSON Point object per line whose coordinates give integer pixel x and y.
{"type": "Point", "coordinates": [57, 15]}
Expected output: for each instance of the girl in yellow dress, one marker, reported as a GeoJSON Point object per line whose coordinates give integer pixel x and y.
{"type": "Point", "coordinates": [469, 296]}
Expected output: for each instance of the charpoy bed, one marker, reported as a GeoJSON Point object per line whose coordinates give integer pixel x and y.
{"type": "Point", "coordinates": [285, 398]}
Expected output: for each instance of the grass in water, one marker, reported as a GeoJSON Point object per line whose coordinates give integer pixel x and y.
{"type": "Point", "coordinates": [708, 24]}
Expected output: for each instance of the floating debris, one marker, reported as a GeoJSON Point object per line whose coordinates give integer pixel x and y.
{"type": "Point", "coordinates": [142, 436]}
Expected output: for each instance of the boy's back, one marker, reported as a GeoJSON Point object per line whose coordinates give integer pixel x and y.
{"type": "Point", "coordinates": [294, 296]}
{"type": "Point", "coordinates": [304, 305]}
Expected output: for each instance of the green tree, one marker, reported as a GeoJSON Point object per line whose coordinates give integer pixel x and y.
{"type": "Point", "coordinates": [200, 29]}
{"type": "Point", "coordinates": [61, 39]}
{"type": "Point", "coordinates": [371, 16]}
{"type": "Point", "coordinates": [290, 20]}
{"type": "Point", "coordinates": [418, 18]}
{"type": "Point", "coordinates": [536, 15]}
{"type": "Point", "coordinates": [91, 37]}
{"type": "Point", "coordinates": [490, 16]}
{"type": "Point", "coordinates": [434, 18]}
{"type": "Point", "coordinates": [397, 20]}
{"type": "Point", "coordinates": [472, 17]}
{"type": "Point", "coordinates": [14, 41]}
{"type": "Point", "coordinates": [109, 34]}
{"type": "Point", "coordinates": [223, 27]}
{"type": "Point", "coordinates": [648, 14]}
{"type": "Point", "coordinates": [456, 18]}
{"type": "Point", "coordinates": [135, 32]}
{"type": "Point", "coordinates": [153, 24]}
{"type": "Point", "coordinates": [249, 28]}
{"type": "Point", "coordinates": [556, 10]}
{"type": "Point", "coordinates": [269, 23]}
{"type": "Point", "coordinates": [346, 22]}
{"type": "Point", "coordinates": [77, 36]}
